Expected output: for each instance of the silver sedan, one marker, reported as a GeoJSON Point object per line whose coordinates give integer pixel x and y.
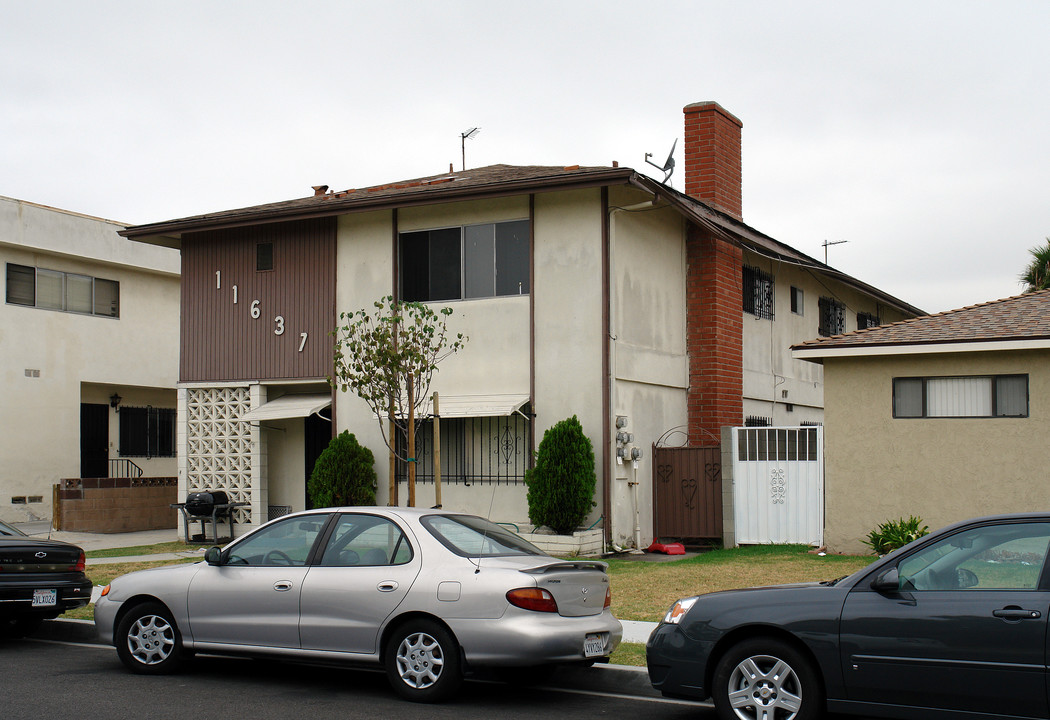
{"type": "Point", "coordinates": [428, 594]}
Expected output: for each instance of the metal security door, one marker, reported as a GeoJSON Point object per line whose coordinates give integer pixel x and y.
{"type": "Point", "coordinates": [778, 485]}
{"type": "Point", "coordinates": [687, 492]}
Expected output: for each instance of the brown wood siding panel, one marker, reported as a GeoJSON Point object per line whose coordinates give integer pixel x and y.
{"type": "Point", "coordinates": [220, 341]}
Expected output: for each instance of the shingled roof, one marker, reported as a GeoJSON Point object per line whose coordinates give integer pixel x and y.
{"type": "Point", "coordinates": [488, 182]}
{"type": "Point", "coordinates": [1022, 318]}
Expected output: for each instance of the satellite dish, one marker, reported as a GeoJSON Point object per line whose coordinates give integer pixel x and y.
{"type": "Point", "coordinates": [668, 166]}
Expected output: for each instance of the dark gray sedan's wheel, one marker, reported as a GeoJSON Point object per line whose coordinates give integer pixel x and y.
{"type": "Point", "coordinates": [766, 679]}
{"type": "Point", "coordinates": [422, 661]}
{"type": "Point", "coordinates": [148, 642]}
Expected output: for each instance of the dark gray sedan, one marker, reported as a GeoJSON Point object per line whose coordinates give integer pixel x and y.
{"type": "Point", "coordinates": [952, 625]}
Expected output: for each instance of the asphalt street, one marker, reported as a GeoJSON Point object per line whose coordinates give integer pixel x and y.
{"type": "Point", "coordinates": [64, 670]}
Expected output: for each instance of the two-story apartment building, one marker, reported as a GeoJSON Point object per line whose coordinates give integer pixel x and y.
{"type": "Point", "coordinates": [588, 291]}
{"type": "Point", "coordinates": [88, 355]}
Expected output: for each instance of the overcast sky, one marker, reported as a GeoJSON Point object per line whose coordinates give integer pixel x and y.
{"type": "Point", "coordinates": [915, 131]}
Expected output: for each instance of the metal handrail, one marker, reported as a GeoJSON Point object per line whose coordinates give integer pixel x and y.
{"type": "Point", "coordinates": [123, 468]}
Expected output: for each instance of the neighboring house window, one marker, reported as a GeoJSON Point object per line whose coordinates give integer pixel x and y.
{"type": "Point", "coordinates": [832, 314]}
{"type": "Point", "coordinates": [474, 261]}
{"type": "Point", "coordinates": [56, 290]}
{"type": "Point", "coordinates": [867, 320]}
{"type": "Point", "coordinates": [797, 306]}
{"type": "Point", "coordinates": [758, 293]}
{"type": "Point", "coordinates": [147, 432]}
{"type": "Point", "coordinates": [264, 256]}
{"type": "Point", "coordinates": [966, 397]}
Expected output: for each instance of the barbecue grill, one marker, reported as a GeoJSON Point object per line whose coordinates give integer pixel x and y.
{"type": "Point", "coordinates": [207, 505]}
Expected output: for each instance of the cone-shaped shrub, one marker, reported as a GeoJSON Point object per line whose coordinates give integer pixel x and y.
{"type": "Point", "coordinates": [561, 485]}
{"type": "Point", "coordinates": [343, 474]}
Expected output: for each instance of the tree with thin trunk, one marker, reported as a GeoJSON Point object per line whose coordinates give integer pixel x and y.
{"type": "Point", "coordinates": [388, 358]}
{"type": "Point", "coordinates": [1036, 275]}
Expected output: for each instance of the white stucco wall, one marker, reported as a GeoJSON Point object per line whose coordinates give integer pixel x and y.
{"type": "Point", "coordinates": [776, 385]}
{"type": "Point", "coordinates": [51, 361]}
{"type": "Point", "coordinates": [649, 362]}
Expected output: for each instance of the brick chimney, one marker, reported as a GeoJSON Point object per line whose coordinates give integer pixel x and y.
{"type": "Point", "coordinates": [712, 157]}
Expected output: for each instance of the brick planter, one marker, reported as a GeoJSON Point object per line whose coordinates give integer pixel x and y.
{"type": "Point", "coordinates": [113, 505]}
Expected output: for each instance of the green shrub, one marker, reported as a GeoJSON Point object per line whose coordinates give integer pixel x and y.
{"type": "Point", "coordinates": [343, 474]}
{"type": "Point", "coordinates": [561, 485]}
{"type": "Point", "coordinates": [894, 534]}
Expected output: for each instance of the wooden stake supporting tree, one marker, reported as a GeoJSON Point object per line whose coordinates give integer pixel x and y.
{"type": "Point", "coordinates": [388, 358]}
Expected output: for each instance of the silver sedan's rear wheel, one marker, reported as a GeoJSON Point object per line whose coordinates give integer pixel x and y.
{"type": "Point", "coordinates": [148, 642]}
{"type": "Point", "coordinates": [422, 661]}
{"type": "Point", "coordinates": [766, 679]}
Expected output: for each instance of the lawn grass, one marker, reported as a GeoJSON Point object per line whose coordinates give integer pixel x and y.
{"type": "Point", "coordinates": [168, 547]}
{"type": "Point", "coordinates": [643, 590]}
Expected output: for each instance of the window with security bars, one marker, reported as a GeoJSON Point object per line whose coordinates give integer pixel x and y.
{"type": "Point", "coordinates": [777, 444]}
{"type": "Point", "coordinates": [867, 320]}
{"type": "Point", "coordinates": [961, 397]}
{"type": "Point", "coordinates": [832, 317]}
{"type": "Point", "coordinates": [482, 450]}
{"type": "Point", "coordinates": [57, 290]}
{"type": "Point", "coordinates": [147, 432]}
{"type": "Point", "coordinates": [758, 293]}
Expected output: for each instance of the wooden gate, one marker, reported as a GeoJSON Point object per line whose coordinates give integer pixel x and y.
{"type": "Point", "coordinates": [687, 492]}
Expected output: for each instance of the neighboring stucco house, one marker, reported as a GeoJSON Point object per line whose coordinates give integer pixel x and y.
{"type": "Point", "coordinates": [88, 326]}
{"type": "Point", "coordinates": [943, 417]}
{"type": "Point", "coordinates": [588, 291]}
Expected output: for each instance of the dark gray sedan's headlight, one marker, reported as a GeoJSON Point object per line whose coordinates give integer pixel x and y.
{"type": "Point", "coordinates": [679, 609]}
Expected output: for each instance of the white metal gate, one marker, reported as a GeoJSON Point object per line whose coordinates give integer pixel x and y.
{"type": "Point", "coordinates": [778, 485]}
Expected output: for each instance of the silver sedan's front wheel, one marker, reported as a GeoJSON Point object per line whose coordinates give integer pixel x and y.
{"type": "Point", "coordinates": [766, 679]}
{"type": "Point", "coordinates": [422, 661]}
{"type": "Point", "coordinates": [148, 641]}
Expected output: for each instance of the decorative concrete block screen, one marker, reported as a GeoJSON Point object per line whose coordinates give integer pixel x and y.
{"type": "Point", "coordinates": [219, 444]}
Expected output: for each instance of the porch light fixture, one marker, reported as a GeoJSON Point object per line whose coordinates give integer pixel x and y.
{"type": "Point", "coordinates": [114, 400]}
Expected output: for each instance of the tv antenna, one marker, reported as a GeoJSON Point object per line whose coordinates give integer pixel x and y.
{"type": "Point", "coordinates": [463, 137]}
{"type": "Point", "coordinates": [668, 166]}
{"type": "Point", "coordinates": [831, 242]}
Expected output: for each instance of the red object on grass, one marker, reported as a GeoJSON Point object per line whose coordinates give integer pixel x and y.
{"type": "Point", "coordinates": [667, 548]}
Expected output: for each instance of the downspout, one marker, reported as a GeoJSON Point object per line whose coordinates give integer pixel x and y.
{"type": "Point", "coordinates": [607, 430]}
{"type": "Point", "coordinates": [532, 328]}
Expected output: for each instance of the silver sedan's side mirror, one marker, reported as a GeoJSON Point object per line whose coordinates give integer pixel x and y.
{"type": "Point", "coordinates": [213, 556]}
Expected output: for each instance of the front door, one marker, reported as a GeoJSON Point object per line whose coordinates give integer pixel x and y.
{"type": "Point", "coordinates": [366, 570]}
{"type": "Point", "coordinates": [94, 440]}
{"type": "Point", "coordinates": [253, 598]}
{"type": "Point", "coordinates": [967, 627]}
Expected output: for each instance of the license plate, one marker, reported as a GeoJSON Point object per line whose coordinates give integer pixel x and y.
{"type": "Point", "coordinates": [45, 598]}
{"type": "Point", "coordinates": [593, 646]}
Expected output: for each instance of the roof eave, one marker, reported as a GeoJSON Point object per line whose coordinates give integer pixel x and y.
{"type": "Point", "coordinates": [820, 352]}
{"type": "Point", "coordinates": [173, 229]}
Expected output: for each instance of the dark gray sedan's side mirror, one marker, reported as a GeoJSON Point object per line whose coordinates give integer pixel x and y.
{"type": "Point", "coordinates": [213, 556]}
{"type": "Point", "coordinates": [887, 581]}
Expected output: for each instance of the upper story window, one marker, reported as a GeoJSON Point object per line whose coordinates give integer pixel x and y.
{"type": "Point", "coordinates": [797, 304]}
{"type": "Point", "coordinates": [867, 320]}
{"type": "Point", "coordinates": [264, 256]}
{"type": "Point", "coordinates": [473, 261]}
{"type": "Point", "coordinates": [758, 293]}
{"type": "Point", "coordinates": [964, 397]}
{"type": "Point", "coordinates": [56, 290]}
{"type": "Point", "coordinates": [832, 317]}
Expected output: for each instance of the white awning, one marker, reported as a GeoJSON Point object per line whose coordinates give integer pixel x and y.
{"type": "Point", "coordinates": [288, 406]}
{"type": "Point", "coordinates": [455, 406]}
{"type": "Point", "coordinates": [461, 406]}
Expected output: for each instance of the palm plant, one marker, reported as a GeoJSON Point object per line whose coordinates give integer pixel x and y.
{"type": "Point", "coordinates": [1036, 275]}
